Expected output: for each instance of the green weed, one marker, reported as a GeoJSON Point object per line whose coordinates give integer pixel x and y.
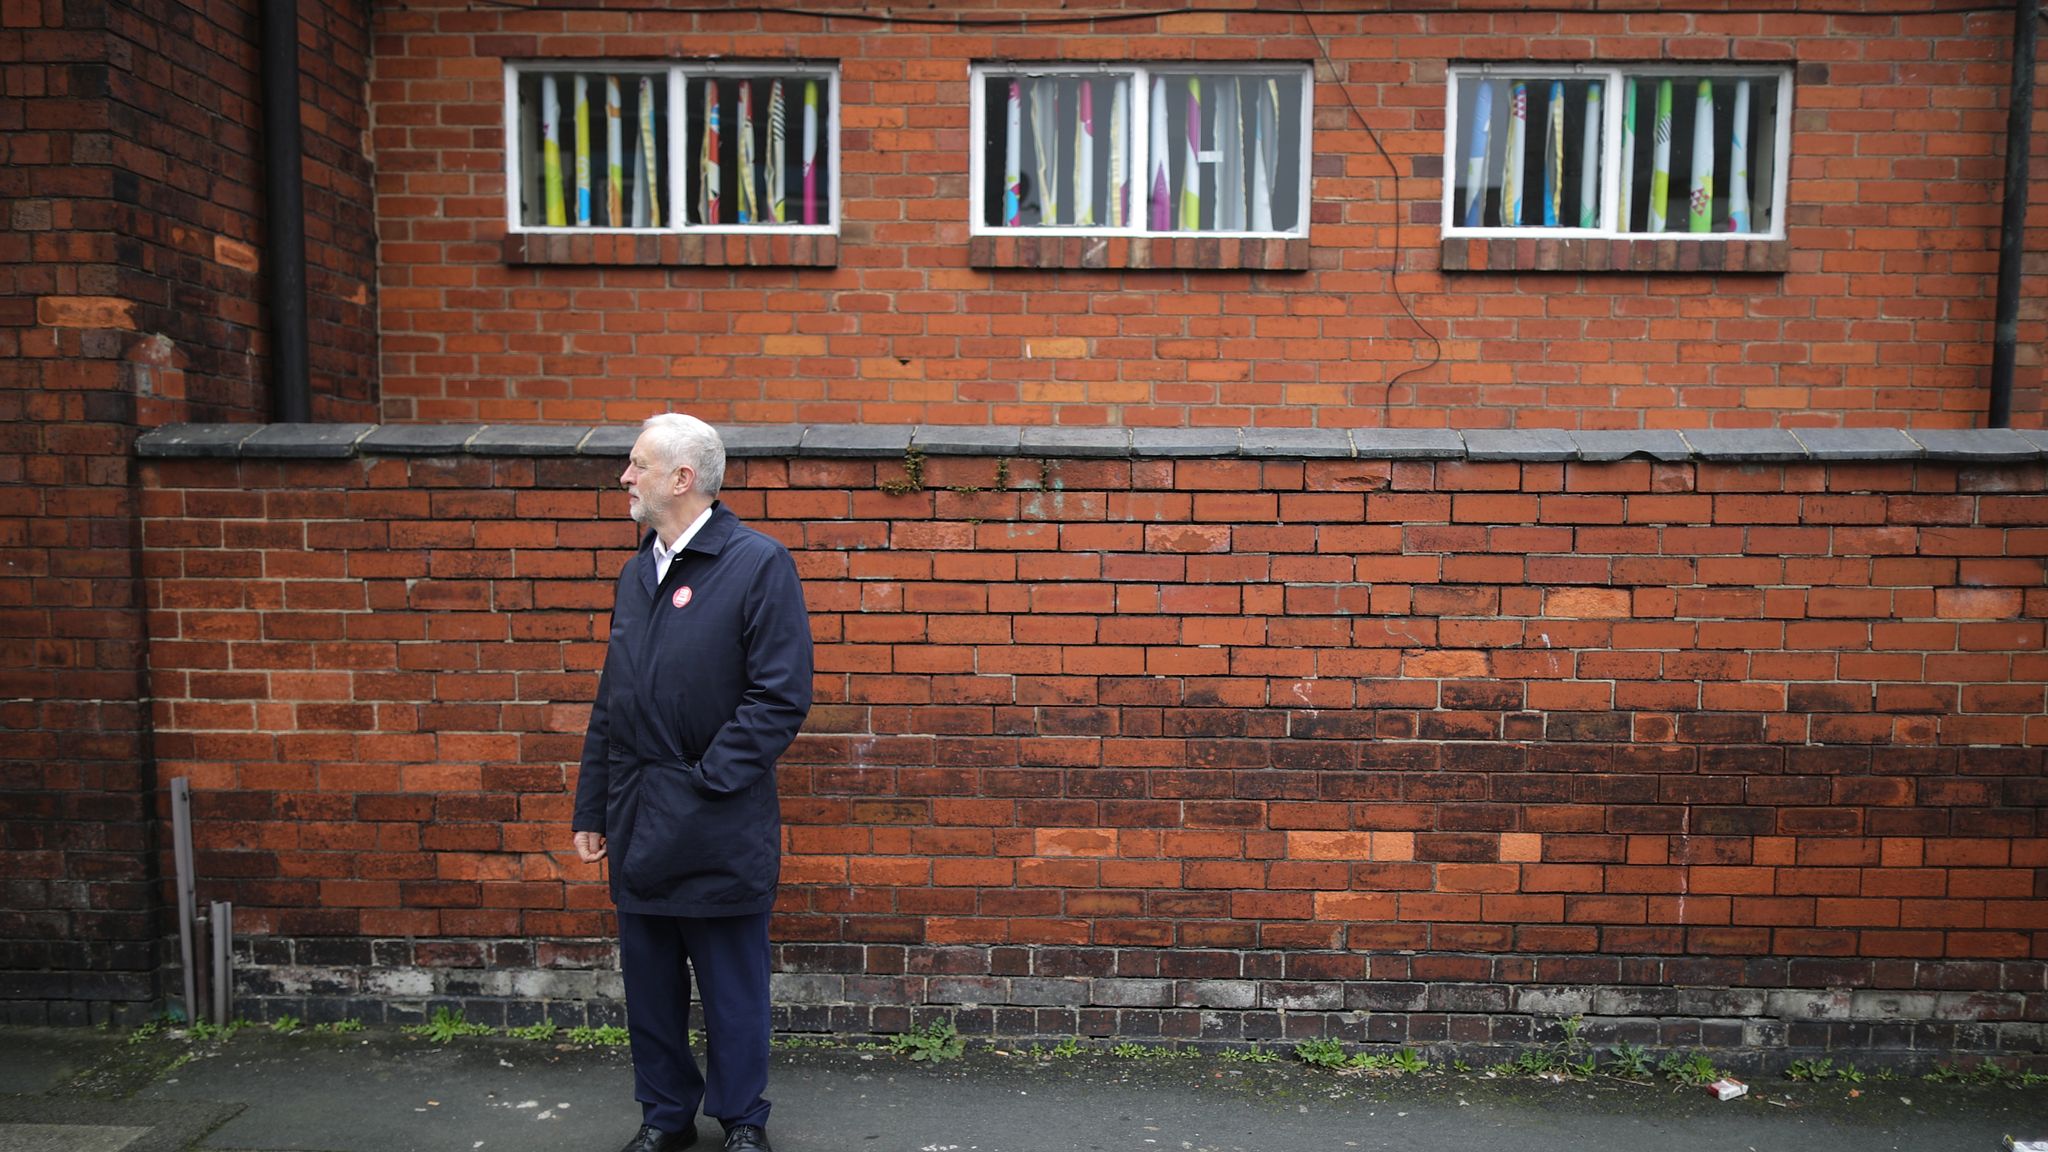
{"type": "Point", "coordinates": [285, 1023]}
{"type": "Point", "coordinates": [541, 1032]}
{"type": "Point", "coordinates": [204, 1031]}
{"type": "Point", "coordinates": [1327, 1053]}
{"type": "Point", "coordinates": [603, 1036]}
{"type": "Point", "coordinates": [1408, 1061]}
{"type": "Point", "coordinates": [1693, 1070]}
{"type": "Point", "coordinates": [1811, 1071]}
{"type": "Point", "coordinates": [913, 475]}
{"type": "Point", "coordinates": [1252, 1055]}
{"type": "Point", "coordinates": [351, 1024]}
{"type": "Point", "coordinates": [1322, 1053]}
{"type": "Point", "coordinates": [803, 1041]}
{"type": "Point", "coordinates": [1628, 1062]}
{"type": "Point", "coordinates": [936, 1044]}
{"type": "Point", "coordinates": [446, 1025]}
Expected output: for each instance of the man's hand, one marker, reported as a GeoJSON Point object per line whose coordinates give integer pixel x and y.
{"type": "Point", "coordinates": [590, 846]}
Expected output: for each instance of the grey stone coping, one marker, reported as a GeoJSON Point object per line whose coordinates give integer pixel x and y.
{"type": "Point", "coordinates": [419, 439]}
{"type": "Point", "coordinates": [335, 441]}
{"type": "Point", "coordinates": [1857, 443]}
{"type": "Point", "coordinates": [1203, 442]}
{"type": "Point", "coordinates": [1075, 442]}
{"type": "Point", "coordinates": [949, 440]}
{"type": "Point", "coordinates": [177, 440]}
{"type": "Point", "coordinates": [1521, 444]}
{"type": "Point", "coordinates": [1745, 445]}
{"type": "Point", "coordinates": [1598, 446]}
{"type": "Point", "coordinates": [1978, 446]}
{"type": "Point", "coordinates": [751, 439]}
{"type": "Point", "coordinates": [856, 440]}
{"type": "Point", "coordinates": [1301, 443]}
{"type": "Point", "coordinates": [1407, 444]}
{"type": "Point", "coordinates": [303, 441]}
{"type": "Point", "coordinates": [615, 440]}
{"type": "Point", "coordinates": [527, 440]}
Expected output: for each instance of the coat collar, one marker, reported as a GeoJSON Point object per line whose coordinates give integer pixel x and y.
{"type": "Point", "coordinates": [709, 540]}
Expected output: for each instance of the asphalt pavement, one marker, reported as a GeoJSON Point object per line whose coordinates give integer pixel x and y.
{"type": "Point", "coordinates": [383, 1091]}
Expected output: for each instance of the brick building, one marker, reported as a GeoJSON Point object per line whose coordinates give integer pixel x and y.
{"type": "Point", "coordinates": [1392, 525]}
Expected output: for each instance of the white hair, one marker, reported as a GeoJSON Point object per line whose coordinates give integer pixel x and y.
{"type": "Point", "coordinates": [682, 439]}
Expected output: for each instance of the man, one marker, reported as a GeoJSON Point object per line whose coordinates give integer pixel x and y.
{"type": "Point", "coordinates": [706, 680]}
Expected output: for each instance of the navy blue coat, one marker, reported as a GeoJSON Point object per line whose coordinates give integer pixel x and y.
{"type": "Point", "coordinates": [706, 681]}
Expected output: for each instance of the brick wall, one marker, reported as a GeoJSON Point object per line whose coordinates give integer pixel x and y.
{"type": "Point", "coordinates": [130, 285]}
{"type": "Point", "coordinates": [1419, 750]}
{"type": "Point", "coordinates": [1878, 313]}
{"type": "Point", "coordinates": [187, 118]}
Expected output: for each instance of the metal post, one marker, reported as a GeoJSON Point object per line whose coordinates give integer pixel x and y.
{"type": "Point", "coordinates": [181, 859]}
{"type": "Point", "coordinates": [223, 946]}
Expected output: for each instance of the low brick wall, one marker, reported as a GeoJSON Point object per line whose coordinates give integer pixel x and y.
{"type": "Point", "coordinates": [1730, 739]}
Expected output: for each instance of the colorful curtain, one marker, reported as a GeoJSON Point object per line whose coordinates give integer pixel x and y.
{"type": "Point", "coordinates": [810, 151]}
{"type": "Point", "coordinates": [1517, 151]}
{"type": "Point", "coordinates": [1589, 162]}
{"type": "Point", "coordinates": [778, 145]}
{"type": "Point", "coordinates": [707, 159]}
{"type": "Point", "coordinates": [750, 195]}
{"type": "Point", "coordinates": [1701, 218]}
{"type": "Point", "coordinates": [1738, 162]}
{"type": "Point", "coordinates": [1660, 160]}
{"type": "Point", "coordinates": [551, 152]}
{"type": "Point", "coordinates": [1480, 139]}
{"type": "Point", "coordinates": [1191, 170]}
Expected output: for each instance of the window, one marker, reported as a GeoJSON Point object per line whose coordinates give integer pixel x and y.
{"type": "Point", "coordinates": [1141, 151]}
{"type": "Point", "coordinates": [1618, 152]}
{"type": "Point", "coordinates": [672, 147]}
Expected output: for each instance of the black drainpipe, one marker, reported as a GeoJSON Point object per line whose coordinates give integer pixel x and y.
{"type": "Point", "coordinates": [291, 392]}
{"type": "Point", "coordinates": [2012, 228]}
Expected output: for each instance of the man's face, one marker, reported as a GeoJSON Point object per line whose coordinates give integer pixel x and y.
{"type": "Point", "coordinates": [650, 482]}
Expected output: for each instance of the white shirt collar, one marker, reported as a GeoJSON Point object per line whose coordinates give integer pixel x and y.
{"type": "Point", "coordinates": [662, 556]}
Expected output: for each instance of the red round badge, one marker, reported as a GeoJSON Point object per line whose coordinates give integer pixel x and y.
{"type": "Point", "coordinates": [681, 597]}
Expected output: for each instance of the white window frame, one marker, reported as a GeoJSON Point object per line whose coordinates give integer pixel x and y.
{"type": "Point", "coordinates": [679, 76]}
{"type": "Point", "coordinates": [1612, 78]}
{"type": "Point", "coordinates": [1140, 144]}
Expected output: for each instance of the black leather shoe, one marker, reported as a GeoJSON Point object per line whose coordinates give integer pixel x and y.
{"type": "Point", "coordinates": [652, 1139]}
{"type": "Point", "coordinates": [747, 1138]}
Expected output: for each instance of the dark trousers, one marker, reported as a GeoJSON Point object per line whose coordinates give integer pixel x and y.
{"type": "Point", "coordinates": [729, 957]}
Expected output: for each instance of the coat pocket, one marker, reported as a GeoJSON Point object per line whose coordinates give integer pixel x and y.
{"type": "Point", "coordinates": [686, 847]}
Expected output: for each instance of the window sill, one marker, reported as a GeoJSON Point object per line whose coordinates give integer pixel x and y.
{"type": "Point", "coordinates": [1270, 254]}
{"type": "Point", "coordinates": [806, 250]}
{"type": "Point", "coordinates": [1604, 254]}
